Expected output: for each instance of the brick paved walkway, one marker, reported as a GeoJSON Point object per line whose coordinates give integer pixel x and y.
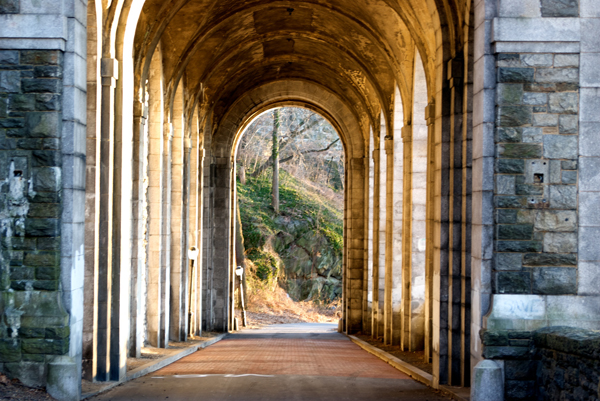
{"type": "Point", "coordinates": [284, 362]}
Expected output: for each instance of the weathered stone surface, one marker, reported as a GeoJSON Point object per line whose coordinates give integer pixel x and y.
{"type": "Point", "coordinates": [532, 135]}
{"type": "Point", "coordinates": [505, 184]}
{"type": "Point", "coordinates": [508, 134]}
{"type": "Point", "coordinates": [569, 177]}
{"type": "Point", "coordinates": [560, 242]}
{"type": "Point", "coordinates": [41, 85]}
{"type": "Point", "coordinates": [569, 165]}
{"type": "Point", "coordinates": [568, 124]}
{"type": "Point", "coordinates": [488, 383]}
{"type": "Point", "coordinates": [514, 116]}
{"type": "Point", "coordinates": [537, 60]}
{"type": "Point", "coordinates": [566, 60]}
{"type": "Point", "coordinates": [509, 93]}
{"type": "Point", "coordinates": [563, 197]}
{"type": "Point", "coordinates": [557, 75]}
{"type": "Point", "coordinates": [508, 261]}
{"type": "Point", "coordinates": [10, 350]}
{"type": "Point", "coordinates": [515, 75]}
{"type": "Point", "coordinates": [535, 98]}
{"type": "Point", "coordinates": [520, 389]}
{"type": "Point", "coordinates": [519, 246]}
{"type": "Point", "coordinates": [519, 150]}
{"type": "Point", "coordinates": [9, 6]}
{"type": "Point", "coordinates": [519, 370]}
{"type": "Point", "coordinates": [554, 280]}
{"type": "Point", "coordinates": [560, 8]}
{"type": "Point", "coordinates": [565, 103]}
{"type": "Point", "coordinates": [549, 259]}
{"type": "Point", "coordinates": [10, 81]}
{"type": "Point", "coordinates": [556, 221]}
{"type": "Point", "coordinates": [560, 147]}
{"type": "Point", "coordinates": [9, 57]}
{"type": "Point", "coordinates": [494, 338]}
{"type": "Point", "coordinates": [545, 120]}
{"type": "Point", "coordinates": [510, 282]}
{"type": "Point", "coordinates": [510, 166]}
{"type": "Point", "coordinates": [506, 352]}
{"type": "Point", "coordinates": [506, 216]}
{"type": "Point", "coordinates": [42, 125]}
{"type": "Point", "coordinates": [515, 231]}
{"type": "Point", "coordinates": [40, 57]}
{"type": "Point", "coordinates": [42, 227]}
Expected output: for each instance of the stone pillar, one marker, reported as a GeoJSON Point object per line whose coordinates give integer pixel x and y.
{"type": "Point", "coordinates": [389, 240]}
{"type": "Point", "coordinates": [406, 239]}
{"type": "Point", "coordinates": [375, 331]}
{"type": "Point", "coordinates": [155, 199]}
{"type": "Point", "coordinates": [102, 340]}
{"type": "Point", "coordinates": [179, 262]}
{"type": "Point", "coordinates": [355, 248]}
{"type": "Point", "coordinates": [165, 229]}
{"type": "Point", "coordinates": [368, 273]}
{"type": "Point", "coordinates": [430, 233]}
{"type": "Point", "coordinates": [418, 183]}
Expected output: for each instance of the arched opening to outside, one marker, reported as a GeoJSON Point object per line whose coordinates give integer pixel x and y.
{"type": "Point", "coordinates": [289, 227]}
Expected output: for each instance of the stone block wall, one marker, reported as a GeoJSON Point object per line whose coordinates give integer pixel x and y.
{"type": "Point", "coordinates": [536, 173]}
{"type": "Point", "coordinates": [553, 363]}
{"type": "Point", "coordinates": [34, 327]}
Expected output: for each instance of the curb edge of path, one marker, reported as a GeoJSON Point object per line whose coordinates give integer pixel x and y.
{"type": "Point", "coordinates": [155, 365]}
{"type": "Point", "coordinates": [412, 371]}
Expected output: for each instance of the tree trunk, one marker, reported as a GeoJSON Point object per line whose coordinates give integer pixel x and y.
{"type": "Point", "coordinates": [275, 156]}
{"type": "Point", "coordinates": [242, 174]}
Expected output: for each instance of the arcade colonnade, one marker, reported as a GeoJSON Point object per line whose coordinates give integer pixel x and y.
{"type": "Point", "coordinates": [471, 169]}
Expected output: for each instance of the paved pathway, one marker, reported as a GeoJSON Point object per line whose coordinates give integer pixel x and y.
{"type": "Point", "coordinates": [281, 362]}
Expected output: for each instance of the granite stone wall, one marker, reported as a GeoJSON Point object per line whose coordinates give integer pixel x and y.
{"type": "Point", "coordinates": [34, 327]}
{"type": "Point", "coordinates": [553, 363]}
{"type": "Point", "coordinates": [536, 174]}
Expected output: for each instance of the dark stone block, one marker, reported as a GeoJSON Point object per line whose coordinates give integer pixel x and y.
{"type": "Point", "coordinates": [514, 57]}
{"type": "Point", "coordinates": [12, 123]}
{"type": "Point", "coordinates": [9, 57]}
{"type": "Point", "coordinates": [44, 210]}
{"type": "Point", "coordinates": [511, 201]}
{"type": "Point", "coordinates": [41, 57]}
{"type": "Point", "coordinates": [38, 259]}
{"type": "Point", "coordinates": [10, 350]}
{"type": "Point", "coordinates": [51, 144]}
{"type": "Point", "coordinates": [514, 116]}
{"type": "Point", "coordinates": [41, 86]}
{"type": "Point", "coordinates": [510, 166]}
{"type": "Point", "coordinates": [45, 285]}
{"type": "Point", "coordinates": [46, 197]}
{"type": "Point", "coordinates": [494, 338]}
{"type": "Point", "coordinates": [506, 352]}
{"type": "Point", "coordinates": [509, 134]}
{"type": "Point", "coordinates": [43, 125]}
{"type": "Point", "coordinates": [560, 8]}
{"type": "Point", "coordinates": [47, 273]}
{"type": "Point", "coordinates": [10, 6]}
{"type": "Point", "coordinates": [48, 102]}
{"type": "Point", "coordinates": [519, 343]}
{"type": "Point", "coordinates": [525, 189]}
{"type": "Point", "coordinates": [519, 390]}
{"type": "Point", "coordinates": [42, 227]}
{"type": "Point", "coordinates": [515, 75]}
{"type": "Point", "coordinates": [520, 151]}
{"type": "Point", "coordinates": [58, 332]}
{"type": "Point", "coordinates": [520, 370]}
{"type": "Point", "coordinates": [519, 246]}
{"type": "Point", "coordinates": [48, 243]}
{"type": "Point", "coordinates": [513, 283]}
{"type": "Point", "coordinates": [47, 71]}
{"type": "Point", "coordinates": [22, 273]}
{"type": "Point", "coordinates": [549, 259]}
{"type": "Point", "coordinates": [569, 165]}
{"type": "Point", "coordinates": [46, 158]}
{"type": "Point", "coordinates": [32, 332]}
{"type": "Point", "coordinates": [21, 102]}
{"type": "Point", "coordinates": [554, 280]}
{"type": "Point", "coordinates": [38, 346]}
{"type": "Point", "coordinates": [515, 231]}
{"type": "Point", "coordinates": [33, 357]}
{"type": "Point", "coordinates": [506, 216]}
{"type": "Point", "coordinates": [7, 144]}
{"type": "Point", "coordinates": [539, 109]}
{"type": "Point", "coordinates": [520, 335]}
{"type": "Point", "coordinates": [29, 144]}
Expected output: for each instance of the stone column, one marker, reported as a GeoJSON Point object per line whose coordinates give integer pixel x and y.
{"type": "Point", "coordinates": [355, 248]}
{"type": "Point", "coordinates": [178, 278]}
{"type": "Point", "coordinates": [368, 273]}
{"type": "Point", "coordinates": [165, 229]}
{"type": "Point", "coordinates": [102, 340]}
{"type": "Point", "coordinates": [389, 240]}
{"type": "Point", "coordinates": [375, 331]}
{"type": "Point", "coordinates": [430, 232]}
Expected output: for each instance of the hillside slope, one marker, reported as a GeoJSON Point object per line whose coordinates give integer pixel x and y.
{"type": "Point", "coordinates": [301, 247]}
